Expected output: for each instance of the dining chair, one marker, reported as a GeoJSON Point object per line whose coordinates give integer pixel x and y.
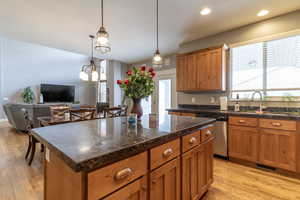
{"type": "Point", "coordinates": [82, 114]}
{"type": "Point", "coordinates": [87, 106]}
{"type": "Point", "coordinates": [59, 111]}
{"type": "Point", "coordinates": [32, 141]}
{"type": "Point", "coordinates": [113, 112]}
{"type": "Point", "coordinates": [124, 111]}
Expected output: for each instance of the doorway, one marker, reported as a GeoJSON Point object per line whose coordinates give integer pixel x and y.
{"type": "Point", "coordinates": [165, 95]}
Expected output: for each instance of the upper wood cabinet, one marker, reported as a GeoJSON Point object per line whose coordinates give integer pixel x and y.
{"type": "Point", "coordinates": [202, 70]}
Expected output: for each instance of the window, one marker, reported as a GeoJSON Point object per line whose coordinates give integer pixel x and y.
{"type": "Point", "coordinates": [102, 85]}
{"type": "Point", "coordinates": [272, 67]}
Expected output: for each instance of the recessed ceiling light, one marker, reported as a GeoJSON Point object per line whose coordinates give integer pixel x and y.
{"type": "Point", "coordinates": [262, 13]}
{"type": "Point", "coordinates": [205, 11]}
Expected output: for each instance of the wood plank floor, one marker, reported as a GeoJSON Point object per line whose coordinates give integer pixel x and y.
{"type": "Point", "coordinates": [232, 181]}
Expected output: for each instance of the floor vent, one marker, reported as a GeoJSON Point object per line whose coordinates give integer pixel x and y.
{"type": "Point", "coordinates": [265, 167]}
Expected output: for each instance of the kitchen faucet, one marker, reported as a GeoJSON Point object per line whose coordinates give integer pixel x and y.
{"type": "Point", "coordinates": [260, 99]}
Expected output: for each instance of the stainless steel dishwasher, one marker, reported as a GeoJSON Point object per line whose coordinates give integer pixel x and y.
{"type": "Point", "coordinates": [220, 133]}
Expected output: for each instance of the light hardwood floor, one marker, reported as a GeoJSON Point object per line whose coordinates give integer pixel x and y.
{"type": "Point", "coordinates": [232, 181]}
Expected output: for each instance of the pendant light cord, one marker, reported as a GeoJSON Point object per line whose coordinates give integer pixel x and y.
{"type": "Point", "coordinates": [102, 12]}
{"type": "Point", "coordinates": [156, 24]}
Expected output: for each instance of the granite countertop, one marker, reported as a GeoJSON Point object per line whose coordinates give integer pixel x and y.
{"type": "Point", "coordinates": [92, 144]}
{"type": "Point", "coordinates": [269, 115]}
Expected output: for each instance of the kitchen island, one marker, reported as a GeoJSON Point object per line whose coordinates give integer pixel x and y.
{"type": "Point", "coordinates": [108, 159]}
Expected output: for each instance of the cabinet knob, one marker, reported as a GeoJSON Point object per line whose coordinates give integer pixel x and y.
{"type": "Point", "coordinates": [242, 121]}
{"type": "Point", "coordinates": [192, 141]}
{"type": "Point", "coordinates": [167, 152]}
{"type": "Point", "coordinates": [122, 174]}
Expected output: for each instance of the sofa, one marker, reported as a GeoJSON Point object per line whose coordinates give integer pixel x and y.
{"type": "Point", "coordinates": [15, 113]}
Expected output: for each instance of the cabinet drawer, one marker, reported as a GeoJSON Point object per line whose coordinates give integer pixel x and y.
{"type": "Point", "coordinates": [278, 124]}
{"type": "Point", "coordinates": [207, 133]}
{"type": "Point", "coordinates": [136, 190]}
{"type": "Point", "coordinates": [108, 179]}
{"type": "Point", "coordinates": [243, 121]}
{"type": "Point", "coordinates": [191, 140]}
{"type": "Point", "coordinates": [163, 153]}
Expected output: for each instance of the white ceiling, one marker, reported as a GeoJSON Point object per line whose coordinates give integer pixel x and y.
{"type": "Point", "coordinates": [66, 24]}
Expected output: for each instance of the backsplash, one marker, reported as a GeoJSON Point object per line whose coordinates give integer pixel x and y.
{"type": "Point", "coordinates": [214, 99]}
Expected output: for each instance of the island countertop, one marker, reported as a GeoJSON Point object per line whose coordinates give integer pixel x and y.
{"type": "Point", "coordinates": [88, 145]}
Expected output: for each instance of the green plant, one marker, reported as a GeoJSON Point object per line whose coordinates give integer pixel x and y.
{"type": "Point", "coordinates": [28, 95]}
{"type": "Point", "coordinates": [140, 83]}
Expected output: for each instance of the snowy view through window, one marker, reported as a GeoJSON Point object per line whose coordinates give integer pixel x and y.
{"type": "Point", "coordinates": [272, 67]}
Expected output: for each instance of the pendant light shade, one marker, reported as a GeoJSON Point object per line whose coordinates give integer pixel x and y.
{"type": "Point", "coordinates": [102, 37]}
{"type": "Point", "coordinates": [157, 58]}
{"type": "Point", "coordinates": [91, 68]}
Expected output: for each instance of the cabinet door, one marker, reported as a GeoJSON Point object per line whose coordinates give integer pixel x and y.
{"type": "Point", "coordinates": [243, 143]}
{"type": "Point", "coordinates": [134, 191]}
{"type": "Point", "coordinates": [202, 70]}
{"type": "Point", "coordinates": [194, 173]}
{"type": "Point", "coordinates": [191, 72]}
{"type": "Point", "coordinates": [181, 73]}
{"type": "Point", "coordinates": [278, 149]}
{"type": "Point", "coordinates": [214, 70]}
{"type": "Point", "coordinates": [209, 161]}
{"type": "Point", "coordinates": [165, 181]}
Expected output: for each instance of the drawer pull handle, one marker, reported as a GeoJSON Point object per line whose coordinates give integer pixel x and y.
{"type": "Point", "coordinates": [242, 121]}
{"type": "Point", "coordinates": [276, 124]}
{"type": "Point", "coordinates": [124, 173]}
{"type": "Point", "coordinates": [167, 152]}
{"type": "Point", "coordinates": [193, 140]}
{"type": "Point", "coordinates": [208, 133]}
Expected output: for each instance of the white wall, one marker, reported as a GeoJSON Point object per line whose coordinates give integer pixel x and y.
{"type": "Point", "coordinates": [116, 71]}
{"type": "Point", "coordinates": [25, 64]}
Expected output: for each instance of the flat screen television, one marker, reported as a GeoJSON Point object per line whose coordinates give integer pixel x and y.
{"type": "Point", "coordinates": [57, 93]}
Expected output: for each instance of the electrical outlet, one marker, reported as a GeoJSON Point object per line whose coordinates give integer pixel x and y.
{"type": "Point", "coordinates": [193, 99]}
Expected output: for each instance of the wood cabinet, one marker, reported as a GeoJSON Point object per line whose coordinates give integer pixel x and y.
{"type": "Point", "coordinates": [165, 181]}
{"type": "Point", "coordinates": [269, 142]}
{"type": "Point", "coordinates": [278, 149]}
{"type": "Point", "coordinates": [243, 143]}
{"type": "Point", "coordinates": [107, 179]}
{"type": "Point", "coordinates": [134, 191]}
{"type": "Point", "coordinates": [202, 70]}
{"type": "Point", "coordinates": [197, 171]}
{"type": "Point", "coordinates": [163, 153]}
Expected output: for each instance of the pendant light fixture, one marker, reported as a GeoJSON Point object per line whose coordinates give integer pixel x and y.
{"type": "Point", "coordinates": [157, 58]}
{"type": "Point", "coordinates": [91, 68]}
{"type": "Point", "coordinates": [102, 37]}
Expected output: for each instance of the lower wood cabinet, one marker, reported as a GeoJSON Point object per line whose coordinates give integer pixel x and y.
{"type": "Point", "coordinates": [243, 143]}
{"type": "Point", "coordinates": [278, 149]}
{"type": "Point", "coordinates": [165, 181]}
{"type": "Point", "coordinates": [209, 162]}
{"type": "Point", "coordinates": [134, 191]}
{"type": "Point", "coordinates": [270, 142]}
{"type": "Point", "coordinates": [197, 174]}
